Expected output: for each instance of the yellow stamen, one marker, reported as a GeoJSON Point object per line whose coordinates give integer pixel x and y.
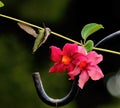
{"type": "Point", "coordinates": [66, 59]}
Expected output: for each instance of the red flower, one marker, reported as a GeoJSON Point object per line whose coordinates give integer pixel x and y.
{"type": "Point", "coordinates": [65, 59]}
{"type": "Point", "coordinates": [87, 68]}
{"type": "Point", "coordinates": [76, 61]}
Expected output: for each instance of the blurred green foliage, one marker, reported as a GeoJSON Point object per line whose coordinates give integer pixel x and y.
{"type": "Point", "coordinates": [38, 10]}
{"type": "Point", "coordinates": [16, 88]}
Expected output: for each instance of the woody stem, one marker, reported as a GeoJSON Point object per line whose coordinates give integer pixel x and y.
{"type": "Point", "coordinates": [59, 35]}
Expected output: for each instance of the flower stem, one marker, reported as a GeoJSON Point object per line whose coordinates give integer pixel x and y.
{"type": "Point", "coordinates": [106, 50]}
{"type": "Point", "coordinates": [66, 38]}
{"type": "Point", "coordinates": [56, 34]}
{"type": "Point", "coordinates": [21, 21]}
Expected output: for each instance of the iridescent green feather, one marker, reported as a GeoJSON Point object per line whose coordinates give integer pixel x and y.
{"type": "Point", "coordinates": [38, 40]}
{"type": "Point", "coordinates": [41, 38]}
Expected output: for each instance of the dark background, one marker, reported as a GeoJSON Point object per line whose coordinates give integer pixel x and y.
{"type": "Point", "coordinates": [66, 17]}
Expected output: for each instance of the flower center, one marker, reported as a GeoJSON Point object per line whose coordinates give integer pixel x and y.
{"type": "Point", "coordinates": [66, 59]}
{"type": "Point", "coordinates": [83, 65]}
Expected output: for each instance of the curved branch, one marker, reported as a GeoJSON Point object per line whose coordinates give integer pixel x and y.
{"type": "Point", "coordinates": [50, 101]}
{"type": "Point", "coordinates": [113, 35]}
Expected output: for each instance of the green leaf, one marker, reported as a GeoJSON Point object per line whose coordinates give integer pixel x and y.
{"type": "Point", "coordinates": [1, 4]}
{"type": "Point", "coordinates": [90, 29]}
{"type": "Point", "coordinates": [89, 45]}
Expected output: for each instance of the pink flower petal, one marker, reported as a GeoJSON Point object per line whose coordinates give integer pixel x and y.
{"type": "Point", "coordinates": [95, 72]}
{"type": "Point", "coordinates": [94, 57]}
{"type": "Point", "coordinates": [57, 67]}
{"type": "Point", "coordinates": [56, 54]}
{"type": "Point", "coordinates": [73, 73]}
{"type": "Point", "coordinates": [83, 78]}
{"type": "Point", "coordinates": [82, 50]}
{"type": "Point", "coordinates": [76, 59]}
{"type": "Point", "coordinates": [70, 49]}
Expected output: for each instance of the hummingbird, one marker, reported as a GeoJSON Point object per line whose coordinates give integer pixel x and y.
{"type": "Point", "coordinates": [41, 36]}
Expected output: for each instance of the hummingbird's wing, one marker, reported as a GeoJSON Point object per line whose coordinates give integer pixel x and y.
{"type": "Point", "coordinates": [28, 29]}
